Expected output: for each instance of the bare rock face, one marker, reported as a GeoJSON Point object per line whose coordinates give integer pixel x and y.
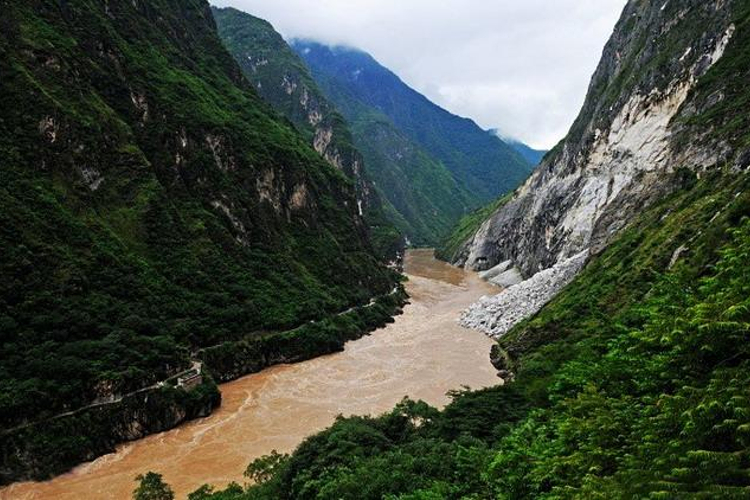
{"type": "Point", "coordinates": [498, 314]}
{"type": "Point", "coordinates": [496, 271]}
{"type": "Point", "coordinates": [507, 278]}
{"type": "Point", "coordinates": [283, 81]}
{"type": "Point", "coordinates": [621, 154]}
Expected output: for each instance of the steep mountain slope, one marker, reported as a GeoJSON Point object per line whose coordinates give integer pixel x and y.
{"type": "Point", "coordinates": [152, 206]}
{"type": "Point", "coordinates": [466, 228]}
{"type": "Point", "coordinates": [481, 162]}
{"type": "Point", "coordinates": [633, 381]}
{"type": "Point", "coordinates": [424, 197]}
{"type": "Point", "coordinates": [421, 197]}
{"type": "Point", "coordinates": [427, 200]}
{"type": "Point", "coordinates": [626, 148]}
{"type": "Point", "coordinates": [531, 155]}
{"type": "Point", "coordinates": [283, 80]}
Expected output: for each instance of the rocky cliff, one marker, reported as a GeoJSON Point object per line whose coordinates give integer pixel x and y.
{"type": "Point", "coordinates": [25, 452]}
{"type": "Point", "coordinates": [283, 80]}
{"type": "Point", "coordinates": [650, 116]}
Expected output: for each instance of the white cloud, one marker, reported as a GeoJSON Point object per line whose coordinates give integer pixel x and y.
{"type": "Point", "coordinates": [522, 66]}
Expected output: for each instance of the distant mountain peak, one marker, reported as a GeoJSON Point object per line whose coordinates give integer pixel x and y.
{"type": "Point", "coordinates": [484, 164]}
{"type": "Point", "coordinates": [533, 156]}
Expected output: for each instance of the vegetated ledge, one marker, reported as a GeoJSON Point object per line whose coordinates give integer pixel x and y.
{"type": "Point", "coordinates": [43, 449]}
{"type": "Point", "coordinates": [52, 446]}
{"type": "Point", "coordinates": [234, 359]}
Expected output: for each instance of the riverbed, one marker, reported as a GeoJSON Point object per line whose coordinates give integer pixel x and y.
{"type": "Point", "coordinates": [423, 354]}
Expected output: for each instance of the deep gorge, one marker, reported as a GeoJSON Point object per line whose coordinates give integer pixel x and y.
{"type": "Point", "coordinates": [209, 269]}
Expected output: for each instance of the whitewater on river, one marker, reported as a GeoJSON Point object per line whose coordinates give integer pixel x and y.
{"type": "Point", "coordinates": [423, 354]}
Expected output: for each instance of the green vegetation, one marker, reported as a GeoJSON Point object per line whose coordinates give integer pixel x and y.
{"type": "Point", "coordinates": [481, 163]}
{"type": "Point", "coordinates": [467, 228]}
{"type": "Point", "coordinates": [152, 487]}
{"type": "Point", "coordinates": [423, 199]}
{"type": "Point", "coordinates": [51, 446]}
{"type": "Point", "coordinates": [730, 75]}
{"type": "Point", "coordinates": [632, 383]}
{"type": "Point", "coordinates": [410, 193]}
{"type": "Point", "coordinates": [279, 75]}
{"type": "Point", "coordinates": [151, 205]}
{"type": "Point", "coordinates": [283, 80]}
{"type": "Point", "coordinates": [432, 167]}
{"type": "Point", "coordinates": [232, 359]}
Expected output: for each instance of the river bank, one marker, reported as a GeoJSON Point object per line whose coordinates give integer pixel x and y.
{"type": "Point", "coordinates": [51, 446]}
{"type": "Point", "coordinates": [423, 354]}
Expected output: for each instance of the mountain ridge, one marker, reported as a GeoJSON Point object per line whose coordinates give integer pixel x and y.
{"type": "Point", "coordinates": [283, 80]}
{"type": "Point", "coordinates": [419, 196]}
{"type": "Point", "coordinates": [484, 164]}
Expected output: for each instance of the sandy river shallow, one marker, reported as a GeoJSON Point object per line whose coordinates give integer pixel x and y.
{"type": "Point", "coordinates": [423, 355]}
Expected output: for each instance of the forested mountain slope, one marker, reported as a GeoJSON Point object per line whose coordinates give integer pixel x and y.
{"type": "Point", "coordinates": [419, 195]}
{"type": "Point", "coordinates": [427, 199]}
{"type": "Point", "coordinates": [429, 187]}
{"type": "Point", "coordinates": [480, 161]}
{"type": "Point", "coordinates": [151, 206]}
{"type": "Point", "coordinates": [284, 81]}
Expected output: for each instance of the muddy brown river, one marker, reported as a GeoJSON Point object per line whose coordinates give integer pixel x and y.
{"type": "Point", "coordinates": [423, 355]}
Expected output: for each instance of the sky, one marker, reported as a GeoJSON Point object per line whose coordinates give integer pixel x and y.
{"type": "Point", "coordinates": [520, 66]}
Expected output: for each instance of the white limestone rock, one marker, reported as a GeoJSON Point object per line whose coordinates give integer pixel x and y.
{"type": "Point", "coordinates": [508, 278]}
{"type": "Point", "coordinates": [495, 271]}
{"type": "Point", "coordinates": [496, 315]}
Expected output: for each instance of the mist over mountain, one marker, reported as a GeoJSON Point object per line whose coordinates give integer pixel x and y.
{"type": "Point", "coordinates": [531, 155]}
{"type": "Point", "coordinates": [482, 163]}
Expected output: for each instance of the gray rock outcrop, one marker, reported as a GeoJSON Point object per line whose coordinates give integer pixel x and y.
{"type": "Point", "coordinates": [626, 150]}
{"type": "Point", "coordinates": [507, 278]}
{"type": "Point", "coordinates": [497, 314]}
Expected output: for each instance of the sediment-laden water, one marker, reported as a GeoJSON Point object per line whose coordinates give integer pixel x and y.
{"type": "Point", "coordinates": [423, 355]}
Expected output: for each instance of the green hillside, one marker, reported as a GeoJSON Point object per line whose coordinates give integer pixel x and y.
{"type": "Point", "coordinates": [400, 183]}
{"type": "Point", "coordinates": [482, 163]}
{"type": "Point", "coordinates": [425, 197]}
{"type": "Point", "coordinates": [284, 81]}
{"type": "Point", "coordinates": [150, 205]}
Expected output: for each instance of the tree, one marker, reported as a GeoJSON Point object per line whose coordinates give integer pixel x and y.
{"type": "Point", "coordinates": [263, 469]}
{"type": "Point", "coordinates": [152, 487]}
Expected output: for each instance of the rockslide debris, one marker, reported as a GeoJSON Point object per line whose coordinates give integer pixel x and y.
{"type": "Point", "coordinates": [496, 315]}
